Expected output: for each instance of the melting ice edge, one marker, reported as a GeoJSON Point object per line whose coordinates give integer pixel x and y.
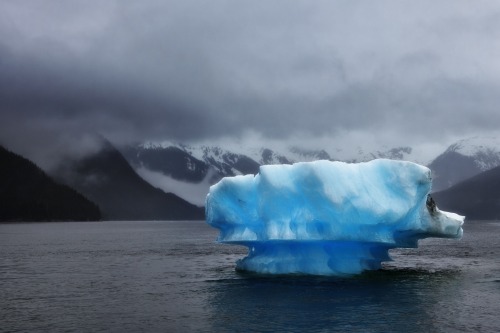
{"type": "Point", "coordinates": [327, 218]}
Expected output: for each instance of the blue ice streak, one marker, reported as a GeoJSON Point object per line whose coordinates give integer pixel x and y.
{"type": "Point", "coordinates": [327, 218]}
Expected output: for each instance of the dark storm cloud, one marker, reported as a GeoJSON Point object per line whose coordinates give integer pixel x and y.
{"type": "Point", "coordinates": [95, 98]}
{"type": "Point", "coordinates": [193, 70]}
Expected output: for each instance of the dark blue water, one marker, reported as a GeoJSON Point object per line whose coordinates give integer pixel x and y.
{"type": "Point", "coordinates": [173, 277]}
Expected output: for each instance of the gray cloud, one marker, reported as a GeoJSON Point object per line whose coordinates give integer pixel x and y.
{"type": "Point", "coordinates": [399, 71]}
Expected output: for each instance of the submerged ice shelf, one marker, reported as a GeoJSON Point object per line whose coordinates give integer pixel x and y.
{"type": "Point", "coordinates": [327, 218]}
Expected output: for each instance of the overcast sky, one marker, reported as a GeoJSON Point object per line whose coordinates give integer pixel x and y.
{"type": "Point", "coordinates": [319, 72]}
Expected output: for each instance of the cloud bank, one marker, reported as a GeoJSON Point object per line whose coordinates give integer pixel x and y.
{"type": "Point", "coordinates": [395, 72]}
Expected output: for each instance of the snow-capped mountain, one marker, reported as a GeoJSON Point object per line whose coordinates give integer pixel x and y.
{"type": "Point", "coordinates": [398, 153]}
{"type": "Point", "coordinates": [484, 150]}
{"type": "Point", "coordinates": [295, 154]}
{"type": "Point", "coordinates": [191, 163]}
{"type": "Point", "coordinates": [171, 160]}
{"type": "Point", "coordinates": [464, 159]}
{"type": "Point", "coordinates": [189, 170]}
{"type": "Point", "coordinates": [185, 170]}
{"type": "Point", "coordinates": [226, 163]}
{"type": "Point", "coordinates": [188, 163]}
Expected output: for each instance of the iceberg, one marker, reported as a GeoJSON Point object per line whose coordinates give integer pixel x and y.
{"type": "Point", "coordinates": [327, 218]}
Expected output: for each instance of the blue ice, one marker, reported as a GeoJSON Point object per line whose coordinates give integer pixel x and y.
{"type": "Point", "coordinates": [327, 218]}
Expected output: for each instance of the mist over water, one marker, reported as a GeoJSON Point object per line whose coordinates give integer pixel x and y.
{"type": "Point", "coordinates": [173, 277]}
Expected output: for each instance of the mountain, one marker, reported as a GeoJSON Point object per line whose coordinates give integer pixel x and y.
{"type": "Point", "coordinates": [108, 179]}
{"type": "Point", "coordinates": [172, 161]}
{"type": "Point", "coordinates": [188, 164]}
{"type": "Point", "coordinates": [28, 194]}
{"type": "Point", "coordinates": [196, 167]}
{"type": "Point", "coordinates": [478, 198]}
{"type": "Point", "coordinates": [189, 170]}
{"type": "Point", "coordinates": [464, 159]}
{"type": "Point", "coordinates": [186, 171]}
{"type": "Point", "coordinates": [192, 163]}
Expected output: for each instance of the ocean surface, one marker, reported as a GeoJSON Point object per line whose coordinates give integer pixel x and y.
{"type": "Point", "coordinates": [173, 277]}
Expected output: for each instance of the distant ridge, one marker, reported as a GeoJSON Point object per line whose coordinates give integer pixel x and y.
{"type": "Point", "coordinates": [108, 179]}
{"type": "Point", "coordinates": [28, 194]}
{"type": "Point", "coordinates": [478, 198]}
